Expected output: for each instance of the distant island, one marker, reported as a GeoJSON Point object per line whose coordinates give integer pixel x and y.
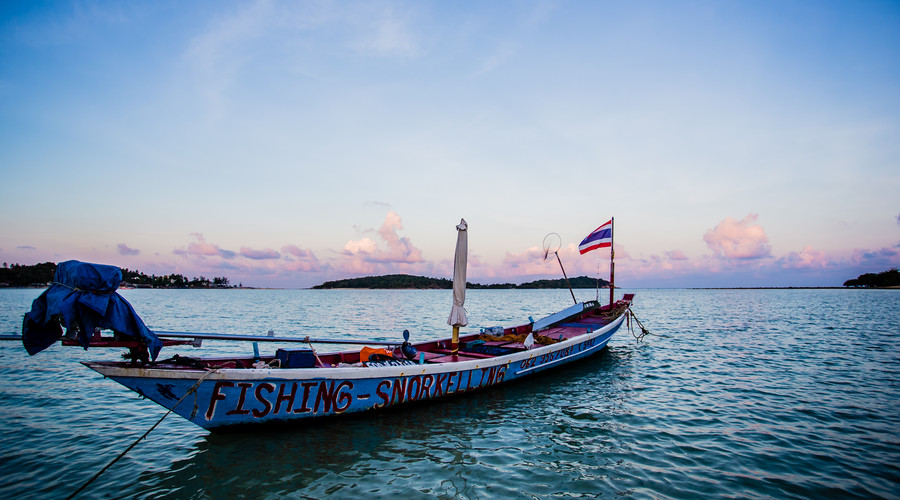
{"type": "Point", "coordinates": [41, 275]}
{"type": "Point", "coordinates": [407, 282]}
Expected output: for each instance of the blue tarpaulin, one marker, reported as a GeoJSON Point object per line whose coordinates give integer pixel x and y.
{"type": "Point", "coordinates": [83, 297]}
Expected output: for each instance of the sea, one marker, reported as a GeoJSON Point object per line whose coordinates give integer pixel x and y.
{"type": "Point", "coordinates": [750, 393]}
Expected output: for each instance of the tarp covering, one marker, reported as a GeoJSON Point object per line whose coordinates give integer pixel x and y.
{"type": "Point", "coordinates": [83, 297]}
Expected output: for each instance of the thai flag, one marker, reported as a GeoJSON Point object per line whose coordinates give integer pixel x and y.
{"type": "Point", "coordinates": [599, 238]}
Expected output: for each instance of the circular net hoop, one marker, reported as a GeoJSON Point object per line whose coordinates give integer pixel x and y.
{"type": "Point", "coordinates": [552, 242]}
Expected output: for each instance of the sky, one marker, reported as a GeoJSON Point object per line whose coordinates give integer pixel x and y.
{"type": "Point", "coordinates": [284, 144]}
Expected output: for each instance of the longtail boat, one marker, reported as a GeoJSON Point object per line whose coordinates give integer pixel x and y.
{"type": "Point", "coordinates": [301, 385]}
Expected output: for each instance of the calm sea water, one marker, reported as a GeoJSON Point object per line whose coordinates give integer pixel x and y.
{"type": "Point", "coordinates": [749, 394]}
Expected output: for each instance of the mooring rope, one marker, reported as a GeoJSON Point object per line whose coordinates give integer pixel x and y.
{"type": "Point", "coordinates": [193, 390]}
{"type": "Point", "coordinates": [644, 330]}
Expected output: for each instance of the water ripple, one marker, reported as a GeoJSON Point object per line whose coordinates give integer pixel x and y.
{"type": "Point", "coordinates": [750, 394]}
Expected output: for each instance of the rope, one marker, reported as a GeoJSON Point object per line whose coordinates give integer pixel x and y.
{"type": "Point", "coordinates": [76, 289]}
{"type": "Point", "coordinates": [308, 341]}
{"type": "Point", "coordinates": [644, 330]}
{"type": "Point", "coordinates": [193, 389]}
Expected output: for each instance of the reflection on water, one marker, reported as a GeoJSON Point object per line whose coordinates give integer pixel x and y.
{"type": "Point", "coordinates": [749, 393]}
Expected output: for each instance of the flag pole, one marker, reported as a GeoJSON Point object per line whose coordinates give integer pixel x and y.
{"type": "Point", "coordinates": [612, 262]}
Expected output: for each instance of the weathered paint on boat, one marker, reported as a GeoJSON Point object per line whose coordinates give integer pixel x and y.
{"type": "Point", "coordinates": [234, 397]}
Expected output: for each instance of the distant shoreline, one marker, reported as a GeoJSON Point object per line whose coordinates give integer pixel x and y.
{"type": "Point", "coordinates": [410, 282]}
{"type": "Point", "coordinates": [792, 288]}
{"type": "Point", "coordinates": [501, 288]}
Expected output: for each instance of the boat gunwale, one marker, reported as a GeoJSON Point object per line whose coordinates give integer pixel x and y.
{"type": "Point", "coordinates": [115, 369]}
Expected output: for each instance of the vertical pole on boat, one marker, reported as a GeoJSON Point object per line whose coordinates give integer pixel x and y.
{"type": "Point", "coordinates": [612, 262]}
{"type": "Point", "coordinates": [458, 312]}
{"type": "Point", "coordinates": [553, 241]}
{"type": "Point", "coordinates": [566, 277]}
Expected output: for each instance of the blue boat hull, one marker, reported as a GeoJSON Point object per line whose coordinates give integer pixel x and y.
{"type": "Point", "coordinates": [225, 398]}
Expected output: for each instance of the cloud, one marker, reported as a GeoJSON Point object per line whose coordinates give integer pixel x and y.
{"type": "Point", "coordinates": [808, 258]}
{"type": "Point", "coordinates": [126, 250]}
{"type": "Point", "coordinates": [741, 240]}
{"type": "Point", "coordinates": [250, 265]}
{"type": "Point", "coordinates": [299, 259]}
{"type": "Point", "coordinates": [882, 259]}
{"type": "Point", "coordinates": [530, 262]}
{"type": "Point", "coordinates": [26, 247]}
{"type": "Point", "coordinates": [366, 256]}
{"type": "Point", "coordinates": [400, 250]}
{"type": "Point", "coordinates": [363, 246]}
{"type": "Point", "coordinates": [201, 249]}
{"type": "Point", "coordinates": [264, 254]}
{"type": "Point", "coordinates": [525, 258]}
{"type": "Point", "coordinates": [297, 251]}
{"type": "Point", "coordinates": [676, 255]}
{"type": "Point", "coordinates": [898, 220]}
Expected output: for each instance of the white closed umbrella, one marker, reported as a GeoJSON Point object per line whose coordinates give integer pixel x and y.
{"type": "Point", "coordinates": [458, 311]}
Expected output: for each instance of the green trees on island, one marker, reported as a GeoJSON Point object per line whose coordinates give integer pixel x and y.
{"type": "Point", "coordinates": [141, 280]}
{"type": "Point", "coordinates": [40, 275]}
{"type": "Point", "coordinates": [22, 276]}
{"type": "Point", "coordinates": [406, 281]}
{"type": "Point", "coordinates": [889, 278]}
{"type": "Point", "coordinates": [389, 281]}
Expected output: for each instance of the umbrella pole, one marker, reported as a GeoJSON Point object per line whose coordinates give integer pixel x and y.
{"type": "Point", "coordinates": [454, 342]}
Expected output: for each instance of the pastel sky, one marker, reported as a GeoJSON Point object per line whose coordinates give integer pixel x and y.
{"type": "Point", "coordinates": [283, 144]}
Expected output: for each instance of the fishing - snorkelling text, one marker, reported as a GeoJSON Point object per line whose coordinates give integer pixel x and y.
{"type": "Point", "coordinates": [321, 397]}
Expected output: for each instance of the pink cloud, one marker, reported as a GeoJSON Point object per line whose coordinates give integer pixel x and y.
{"type": "Point", "coordinates": [530, 262]}
{"type": "Point", "coordinates": [298, 259]}
{"type": "Point", "coordinates": [364, 256]}
{"type": "Point", "coordinates": [742, 240]}
{"type": "Point", "coordinates": [291, 266]}
{"type": "Point", "coordinates": [364, 246]}
{"type": "Point", "coordinates": [669, 265]}
{"type": "Point", "coordinates": [882, 259]}
{"type": "Point", "coordinates": [676, 255]}
{"type": "Point", "coordinates": [808, 258]}
{"type": "Point", "coordinates": [123, 249]}
{"type": "Point", "coordinates": [264, 254]}
{"type": "Point", "coordinates": [297, 252]}
{"type": "Point", "coordinates": [401, 249]}
{"type": "Point", "coordinates": [528, 257]}
{"type": "Point", "coordinates": [200, 248]}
